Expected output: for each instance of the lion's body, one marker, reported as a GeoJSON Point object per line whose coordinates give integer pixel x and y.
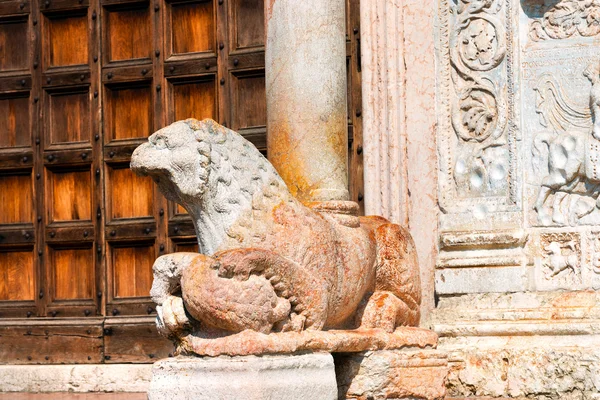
{"type": "Point", "coordinates": [270, 262]}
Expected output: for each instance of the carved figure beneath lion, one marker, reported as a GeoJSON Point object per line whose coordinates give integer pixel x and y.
{"type": "Point", "coordinates": [273, 275]}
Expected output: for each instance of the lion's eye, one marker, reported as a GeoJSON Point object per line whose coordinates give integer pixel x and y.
{"type": "Point", "coordinates": [160, 143]}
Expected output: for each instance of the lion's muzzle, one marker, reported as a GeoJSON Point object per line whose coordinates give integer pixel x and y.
{"type": "Point", "coordinates": [146, 161]}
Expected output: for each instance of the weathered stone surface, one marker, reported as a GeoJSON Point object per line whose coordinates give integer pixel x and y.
{"type": "Point", "coordinates": [293, 377]}
{"type": "Point", "coordinates": [133, 378]}
{"type": "Point", "coordinates": [268, 262]}
{"type": "Point", "coordinates": [516, 90]}
{"type": "Point", "coordinates": [414, 374]}
{"type": "Point", "coordinates": [476, 280]}
{"type": "Point", "coordinates": [531, 345]}
{"type": "Point", "coordinates": [543, 367]}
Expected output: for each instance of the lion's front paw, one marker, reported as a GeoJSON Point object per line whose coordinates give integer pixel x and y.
{"type": "Point", "coordinates": [171, 317]}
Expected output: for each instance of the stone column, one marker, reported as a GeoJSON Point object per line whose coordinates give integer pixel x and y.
{"type": "Point", "coordinates": [305, 68]}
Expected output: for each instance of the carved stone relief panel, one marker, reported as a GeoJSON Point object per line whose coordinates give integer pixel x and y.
{"type": "Point", "coordinates": [530, 266]}
{"type": "Point", "coordinates": [519, 144]}
{"type": "Point", "coordinates": [564, 19]}
{"type": "Point", "coordinates": [477, 136]}
{"type": "Point", "coordinates": [563, 180]}
{"type": "Point", "coordinates": [560, 75]}
{"type": "Point", "coordinates": [559, 262]}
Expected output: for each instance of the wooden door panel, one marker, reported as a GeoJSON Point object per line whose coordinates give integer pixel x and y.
{"type": "Point", "coordinates": [191, 28]}
{"type": "Point", "coordinates": [73, 273]}
{"type": "Point", "coordinates": [71, 195]}
{"type": "Point", "coordinates": [249, 101]}
{"type": "Point", "coordinates": [14, 114]}
{"type": "Point", "coordinates": [47, 344]}
{"type": "Point", "coordinates": [194, 100]}
{"type": "Point", "coordinates": [128, 34]}
{"type": "Point", "coordinates": [14, 42]}
{"type": "Point", "coordinates": [128, 112]}
{"type": "Point", "coordinates": [131, 195]}
{"type": "Point", "coordinates": [66, 40]}
{"type": "Point", "coordinates": [132, 271]}
{"type": "Point", "coordinates": [248, 24]}
{"type": "Point", "coordinates": [179, 210]}
{"type": "Point", "coordinates": [16, 199]}
{"type": "Point", "coordinates": [135, 343]}
{"type": "Point", "coordinates": [69, 114]}
{"type": "Point", "coordinates": [17, 279]}
{"type": "Point", "coordinates": [186, 247]}
{"type": "Point", "coordinates": [82, 83]}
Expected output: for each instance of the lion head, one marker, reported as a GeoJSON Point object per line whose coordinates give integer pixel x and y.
{"type": "Point", "coordinates": [177, 159]}
{"type": "Point", "coordinates": [212, 171]}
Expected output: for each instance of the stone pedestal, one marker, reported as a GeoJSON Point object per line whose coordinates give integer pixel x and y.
{"type": "Point", "coordinates": [392, 374]}
{"type": "Point", "coordinates": [308, 376]}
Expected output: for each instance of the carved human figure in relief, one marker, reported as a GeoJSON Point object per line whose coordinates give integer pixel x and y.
{"type": "Point", "coordinates": [573, 151]}
{"type": "Point", "coordinates": [268, 263]}
{"type": "Point", "coordinates": [593, 74]}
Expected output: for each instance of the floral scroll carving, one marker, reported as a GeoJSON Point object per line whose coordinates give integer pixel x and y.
{"type": "Point", "coordinates": [478, 47]}
{"type": "Point", "coordinates": [566, 19]}
{"type": "Point", "coordinates": [478, 114]}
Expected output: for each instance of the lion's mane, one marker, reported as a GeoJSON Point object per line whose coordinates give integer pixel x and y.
{"type": "Point", "coordinates": [239, 180]}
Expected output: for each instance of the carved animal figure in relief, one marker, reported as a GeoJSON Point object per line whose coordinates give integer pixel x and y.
{"type": "Point", "coordinates": [557, 262]}
{"type": "Point", "coordinates": [573, 149]}
{"type": "Point", "coordinates": [268, 263]}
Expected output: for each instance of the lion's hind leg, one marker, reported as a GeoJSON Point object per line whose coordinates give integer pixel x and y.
{"type": "Point", "coordinates": [397, 295]}
{"type": "Point", "coordinates": [383, 310]}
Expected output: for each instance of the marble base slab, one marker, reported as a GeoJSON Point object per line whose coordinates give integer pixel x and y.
{"type": "Point", "coordinates": [333, 341]}
{"type": "Point", "coordinates": [289, 377]}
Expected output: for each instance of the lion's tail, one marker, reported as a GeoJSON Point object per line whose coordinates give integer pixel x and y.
{"type": "Point", "coordinates": [398, 270]}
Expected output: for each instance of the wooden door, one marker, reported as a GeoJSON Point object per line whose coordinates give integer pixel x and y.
{"type": "Point", "coordinates": [82, 84]}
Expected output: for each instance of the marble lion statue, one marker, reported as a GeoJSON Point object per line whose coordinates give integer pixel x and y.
{"type": "Point", "coordinates": [267, 262]}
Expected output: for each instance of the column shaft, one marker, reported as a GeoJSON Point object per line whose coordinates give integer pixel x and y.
{"type": "Point", "coordinates": [305, 65]}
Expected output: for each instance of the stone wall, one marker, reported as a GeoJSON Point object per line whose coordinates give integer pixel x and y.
{"type": "Point", "coordinates": [493, 166]}
{"type": "Point", "coordinates": [517, 95]}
